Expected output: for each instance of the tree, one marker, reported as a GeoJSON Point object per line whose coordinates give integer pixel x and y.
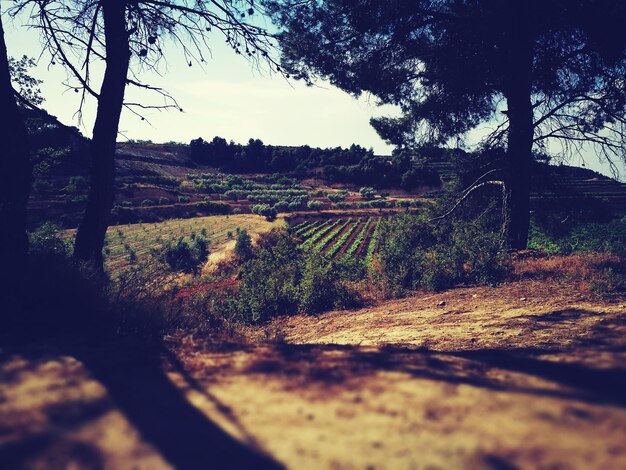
{"type": "Point", "coordinates": [549, 75]}
{"type": "Point", "coordinates": [128, 35]}
{"type": "Point", "coordinates": [15, 169]}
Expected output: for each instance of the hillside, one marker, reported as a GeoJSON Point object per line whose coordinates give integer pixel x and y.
{"type": "Point", "coordinates": [160, 181]}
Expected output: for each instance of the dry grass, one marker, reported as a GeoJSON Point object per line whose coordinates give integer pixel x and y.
{"type": "Point", "coordinates": [591, 272]}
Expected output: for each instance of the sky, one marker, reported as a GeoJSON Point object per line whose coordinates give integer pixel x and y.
{"type": "Point", "coordinates": [227, 97]}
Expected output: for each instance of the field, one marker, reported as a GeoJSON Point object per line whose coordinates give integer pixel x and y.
{"type": "Point", "coordinates": [133, 242]}
{"type": "Point", "coordinates": [341, 237]}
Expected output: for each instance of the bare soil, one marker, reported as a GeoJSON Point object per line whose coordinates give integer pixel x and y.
{"type": "Point", "coordinates": [531, 374]}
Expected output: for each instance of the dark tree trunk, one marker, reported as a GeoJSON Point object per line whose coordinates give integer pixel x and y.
{"type": "Point", "coordinates": [15, 170]}
{"type": "Point", "coordinates": [92, 229]}
{"type": "Point", "coordinates": [518, 90]}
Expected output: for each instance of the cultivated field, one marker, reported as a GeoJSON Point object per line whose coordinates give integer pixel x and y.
{"type": "Point", "coordinates": [125, 244]}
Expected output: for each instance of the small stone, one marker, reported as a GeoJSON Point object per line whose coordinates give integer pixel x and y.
{"type": "Point", "coordinates": [441, 304]}
{"type": "Point", "coordinates": [522, 299]}
{"type": "Point", "coordinates": [474, 296]}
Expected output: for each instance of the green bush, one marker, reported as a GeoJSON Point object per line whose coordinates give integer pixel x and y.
{"type": "Point", "coordinates": [416, 253]}
{"type": "Point", "coordinates": [367, 192]}
{"type": "Point", "coordinates": [315, 205]}
{"type": "Point", "coordinates": [243, 245]}
{"type": "Point", "coordinates": [47, 240]}
{"type": "Point", "coordinates": [76, 185]}
{"type": "Point", "coordinates": [184, 199]}
{"type": "Point", "coordinates": [185, 256]}
{"type": "Point", "coordinates": [265, 210]}
{"type": "Point", "coordinates": [209, 207]}
{"type": "Point", "coordinates": [283, 279]}
{"type": "Point", "coordinates": [583, 238]}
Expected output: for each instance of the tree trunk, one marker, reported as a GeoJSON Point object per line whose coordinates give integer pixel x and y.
{"type": "Point", "coordinates": [517, 90]}
{"type": "Point", "coordinates": [15, 169]}
{"type": "Point", "coordinates": [92, 229]}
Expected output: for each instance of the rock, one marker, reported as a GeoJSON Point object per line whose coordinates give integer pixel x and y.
{"type": "Point", "coordinates": [474, 296]}
{"type": "Point", "coordinates": [522, 299]}
{"type": "Point", "coordinates": [441, 304]}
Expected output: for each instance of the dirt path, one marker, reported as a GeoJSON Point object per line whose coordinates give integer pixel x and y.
{"type": "Point", "coordinates": [526, 375]}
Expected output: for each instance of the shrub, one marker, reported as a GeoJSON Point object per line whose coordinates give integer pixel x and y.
{"type": "Point", "coordinates": [282, 279]}
{"type": "Point", "coordinates": [184, 199]}
{"type": "Point", "coordinates": [367, 192]}
{"type": "Point", "coordinates": [209, 207]}
{"type": "Point", "coordinates": [337, 196]}
{"type": "Point", "coordinates": [264, 210]}
{"type": "Point", "coordinates": [236, 210]}
{"type": "Point", "coordinates": [282, 206]}
{"type": "Point", "coordinates": [163, 201]}
{"type": "Point", "coordinates": [147, 202]}
{"type": "Point", "coordinates": [77, 184]}
{"type": "Point", "coordinates": [243, 245]}
{"type": "Point", "coordinates": [185, 256]}
{"type": "Point", "coordinates": [315, 205]}
{"type": "Point", "coordinates": [46, 240]}
{"type": "Point", "coordinates": [415, 253]}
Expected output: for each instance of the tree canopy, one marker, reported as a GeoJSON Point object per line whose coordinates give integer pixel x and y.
{"type": "Point", "coordinates": [547, 75]}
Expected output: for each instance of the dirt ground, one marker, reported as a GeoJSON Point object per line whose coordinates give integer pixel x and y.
{"type": "Point", "coordinates": [526, 375]}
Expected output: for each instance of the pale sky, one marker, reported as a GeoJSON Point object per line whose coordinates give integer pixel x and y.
{"type": "Point", "coordinates": [228, 98]}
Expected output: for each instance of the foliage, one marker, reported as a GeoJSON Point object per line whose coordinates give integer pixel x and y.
{"type": "Point", "coordinates": [315, 205]}
{"type": "Point", "coordinates": [209, 207]}
{"type": "Point", "coordinates": [367, 192]}
{"type": "Point", "coordinates": [26, 86]}
{"type": "Point", "coordinates": [47, 240]}
{"type": "Point", "coordinates": [185, 256]}
{"type": "Point", "coordinates": [243, 245]}
{"type": "Point", "coordinates": [417, 253]}
{"type": "Point", "coordinates": [583, 238]}
{"type": "Point", "coordinates": [265, 210]}
{"type": "Point", "coordinates": [76, 185]}
{"type": "Point", "coordinates": [283, 279]}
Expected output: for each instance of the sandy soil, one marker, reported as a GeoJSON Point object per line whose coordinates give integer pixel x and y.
{"type": "Point", "coordinates": [526, 375]}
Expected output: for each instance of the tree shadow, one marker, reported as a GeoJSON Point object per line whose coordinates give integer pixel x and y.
{"type": "Point", "coordinates": [333, 365]}
{"type": "Point", "coordinates": [133, 374]}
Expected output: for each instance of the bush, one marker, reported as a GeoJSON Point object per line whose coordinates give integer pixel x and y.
{"type": "Point", "coordinates": [415, 253]}
{"type": "Point", "coordinates": [243, 245]}
{"type": "Point", "coordinates": [186, 256]}
{"type": "Point", "coordinates": [367, 192]}
{"type": "Point", "coordinates": [282, 206]}
{"type": "Point", "coordinates": [282, 279]}
{"type": "Point", "coordinates": [583, 238]}
{"type": "Point", "coordinates": [164, 201]}
{"type": "Point", "coordinates": [77, 184]}
{"type": "Point", "coordinates": [209, 207]}
{"type": "Point", "coordinates": [265, 210]}
{"type": "Point", "coordinates": [46, 240]}
{"type": "Point", "coordinates": [337, 196]}
{"type": "Point", "coordinates": [315, 205]}
{"type": "Point", "coordinates": [184, 199]}
{"type": "Point", "coordinates": [147, 202]}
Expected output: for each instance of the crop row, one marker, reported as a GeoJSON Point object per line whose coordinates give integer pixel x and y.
{"type": "Point", "coordinates": [321, 233]}
{"type": "Point", "coordinates": [326, 241]}
{"type": "Point", "coordinates": [342, 240]}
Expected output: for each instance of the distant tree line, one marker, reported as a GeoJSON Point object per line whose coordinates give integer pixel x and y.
{"type": "Point", "coordinates": [355, 164]}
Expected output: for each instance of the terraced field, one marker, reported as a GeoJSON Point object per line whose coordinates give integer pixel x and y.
{"type": "Point", "coordinates": [339, 238]}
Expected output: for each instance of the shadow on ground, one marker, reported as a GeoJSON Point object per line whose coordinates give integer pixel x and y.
{"type": "Point", "coordinates": [134, 376]}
